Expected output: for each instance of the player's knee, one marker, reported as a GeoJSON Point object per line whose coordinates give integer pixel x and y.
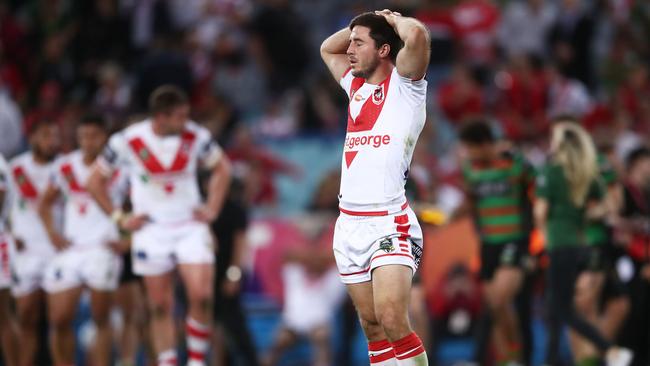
{"type": "Point", "coordinates": [392, 318]}
{"type": "Point", "coordinates": [159, 309]}
{"type": "Point", "coordinates": [60, 320]}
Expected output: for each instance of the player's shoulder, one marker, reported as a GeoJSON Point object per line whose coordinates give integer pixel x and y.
{"type": "Point", "coordinates": [200, 132]}
{"type": "Point", "coordinates": [136, 129]}
{"type": "Point", "coordinates": [21, 159]}
{"type": "Point", "coordinates": [68, 158]}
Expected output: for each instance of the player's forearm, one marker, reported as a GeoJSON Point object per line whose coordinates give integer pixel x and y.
{"type": "Point", "coordinates": [411, 31]}
{"type": "Point", "coordinates": [96, 186]}
{"type": "Point", "coordinates": [218, 186]}
{"type": "Point", "coordinates": [45, 213]}
{"type": "Point", "coordinates": [336, 44]}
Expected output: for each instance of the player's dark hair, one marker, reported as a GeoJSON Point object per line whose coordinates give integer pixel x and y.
{"type": "Point", "coordinates": [380, 31]}
{"type": "Point", "coordinates": [635, 156]}
{"type": "Point", "coordinates": [38, 124]}
{"type": "Point", "coordinates": [96, 120]}
{"type": "Point", "coordinates": [476, 132]}
{"type": "Point", "coordinates": [165, 98]}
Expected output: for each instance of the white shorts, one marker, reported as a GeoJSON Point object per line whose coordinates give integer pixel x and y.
{"type": "Point", "coordinates": [363, 243]}
{"type": "Point", "coordinates": [6, 254]}
{"type": "Point", "coordinates": [28, 271]}
{"type": "Point", "coordinates": [98, 268]}
{"type": "Point", "coordinates": [158, 248]}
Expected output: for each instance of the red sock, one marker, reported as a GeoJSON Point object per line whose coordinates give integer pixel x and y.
{"type": "Point", "coordinates": [198, 341]}
{"type": "Point", "coordinates": [408, 348]}
{"type": "Point", "coordinates": [381, 353]}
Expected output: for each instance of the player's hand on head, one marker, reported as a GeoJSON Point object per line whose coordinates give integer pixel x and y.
{"type": "Point", "coordinates": [389, 15]}
{"type": "Point", "coordinates": [204, 214]}
{"type": "Point", "coordinates": [133, 222]}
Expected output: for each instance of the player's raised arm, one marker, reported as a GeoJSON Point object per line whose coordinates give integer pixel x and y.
{"type": "Point", "coordinates": [413, 58]}
{"type": "Point", "coordinates": [334, 52]}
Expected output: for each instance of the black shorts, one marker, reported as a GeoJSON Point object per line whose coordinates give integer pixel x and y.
{"type": "Point", "coordinates": [127, 274]}
{"type": "Point", "coordinates": [494, 256]}
{"type": "Point", "coordinates": [600, 258]}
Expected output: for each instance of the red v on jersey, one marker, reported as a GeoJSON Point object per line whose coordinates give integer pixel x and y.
{"type": "Point", "coordinates": [369, 112]}
{"type": "Point", "coordinates": [371, 108]}
{"type": "Point", "coordinates": [152, 163]}
{"type": "Point", "coordinates": [25, 186]}
{"type": "Point", "coordinates": [68, 174]}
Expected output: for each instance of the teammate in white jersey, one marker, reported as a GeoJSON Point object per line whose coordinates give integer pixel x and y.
{"type": "Point", "coordinates": [31, 173]}
{"type": "Point", "coordinates": [84, 256]}
{"type": "Point", "coordinates": [8, 325]}
{"type": "Point", "coordinates": [163, 155]}
{"type": "Point", "coordinates": [380, 61]}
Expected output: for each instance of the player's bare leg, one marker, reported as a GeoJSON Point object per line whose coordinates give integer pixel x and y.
{"type": "Point", "coordinates": [61, 309]}
{"type": "Point", "coordinates": [379, 348]}
{"type": "Point", "coordinates": [501, 293]}
{"type": "Point", "coordinates": [284, 339]}
{"type": "Point", "coordinates": [198, 280]}
{"type": "Point", "coordinates": [29, 316]}
{"type": "Point", "coordinates": [8, 330]}
{"type": "Point", "coordinates": [160, 300]}
{"type": "Point", "coordinates": [128, 298]}
{"type": "Point", "coordinates": [391, 287]}
{"type": "Point", "coordinates": [320, 340]}
{"type": "Point", "coordinates": [100, 305]}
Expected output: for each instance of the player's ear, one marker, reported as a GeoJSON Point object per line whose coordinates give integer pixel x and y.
{"type": "Point", "coordinates": [384, 50]}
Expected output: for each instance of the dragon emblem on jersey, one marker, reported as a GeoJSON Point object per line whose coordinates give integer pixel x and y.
{"type": "Point", "coordinates": [378, 95]}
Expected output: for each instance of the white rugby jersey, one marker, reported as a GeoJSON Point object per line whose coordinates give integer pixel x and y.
{"type": "Point", "coordinates": [384, 122]}
{"type": "Point", "coordinates": [29, 182]}
{"type": "Point", "coordinates": [84, 223]}
{"type": "Point", "coordinates": [162, 169]}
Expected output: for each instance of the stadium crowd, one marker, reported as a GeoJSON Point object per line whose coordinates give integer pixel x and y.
{"type": "Point", "coordinates": [503, 76]}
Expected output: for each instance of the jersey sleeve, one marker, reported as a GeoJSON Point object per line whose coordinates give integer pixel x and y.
{"type": "Point", "coordinates": [346, 81]}
{"type": "Point", "coordinates": [209, 151]}
{"type": "Point", "coordinates": [415, 91]}
{"type": "Point", "coordinates": [114, 155]}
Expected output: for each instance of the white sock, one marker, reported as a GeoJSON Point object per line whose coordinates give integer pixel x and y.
{"type": "Point", "coordinates": [167, 358]}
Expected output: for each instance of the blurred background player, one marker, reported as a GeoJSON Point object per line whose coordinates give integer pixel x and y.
{"type": "Point", "coordinates": [634, 232]}
{"type": "Point", "coordinates": [312, 293]}
{"type": "Point", "coordinates": [497, 184]}
{"type": "Point", "coordinates": [567, 196]}
{"type": "Point", "coordinates": [31, 173]}
{"type": "Point", "coordinates": [169, 222]}
{"type": "Point", "coordinates": [380, 61]}
{"type": "Point", "coordinates": [84, 258]}
{"type": "Point", "coordinates": [8, 325]}
{"type": "Point", "coordinates": [232, 335]}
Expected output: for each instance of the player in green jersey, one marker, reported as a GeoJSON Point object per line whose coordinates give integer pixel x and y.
{"type": "Point", "coordinates": [567, 196]}
{"type": "Point", "coordinates": [496, 192]}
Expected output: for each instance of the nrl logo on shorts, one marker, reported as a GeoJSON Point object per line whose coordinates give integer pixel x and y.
{"type": "Point", "coordinates": [386, 245]}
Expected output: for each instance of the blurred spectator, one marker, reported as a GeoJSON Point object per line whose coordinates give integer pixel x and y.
{"type": "Point", "coordinates": [566, 96]}
{"type": "Point", "coordinates": [475, 25]}
{"type": "Point", "coordinates": [280, 39]}
{"type": "Point", "coordinates": [49, 105]}
{"type": "Point", "coordinates": [460, 97]}
{"type": "Point", "coordinates": [113, 96]}
{"type": "Point", "coordinates": [633, 96]}
{"type": "Point", "coordinates": [525, 26]}
{"type": "Point", "coordinates": [455, 305]}
{"type": "Point", "coordinates": [570, 40]}
{"type": "Point", "coordinates": [150, 19]}
{"type": "Point", "coordinates": [521, 104]}
{"type": "Point", "coordinates": [257, 167]}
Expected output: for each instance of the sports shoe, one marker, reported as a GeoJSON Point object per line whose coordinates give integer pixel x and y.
{"type": "Point", "coordinates": [619, 357]}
